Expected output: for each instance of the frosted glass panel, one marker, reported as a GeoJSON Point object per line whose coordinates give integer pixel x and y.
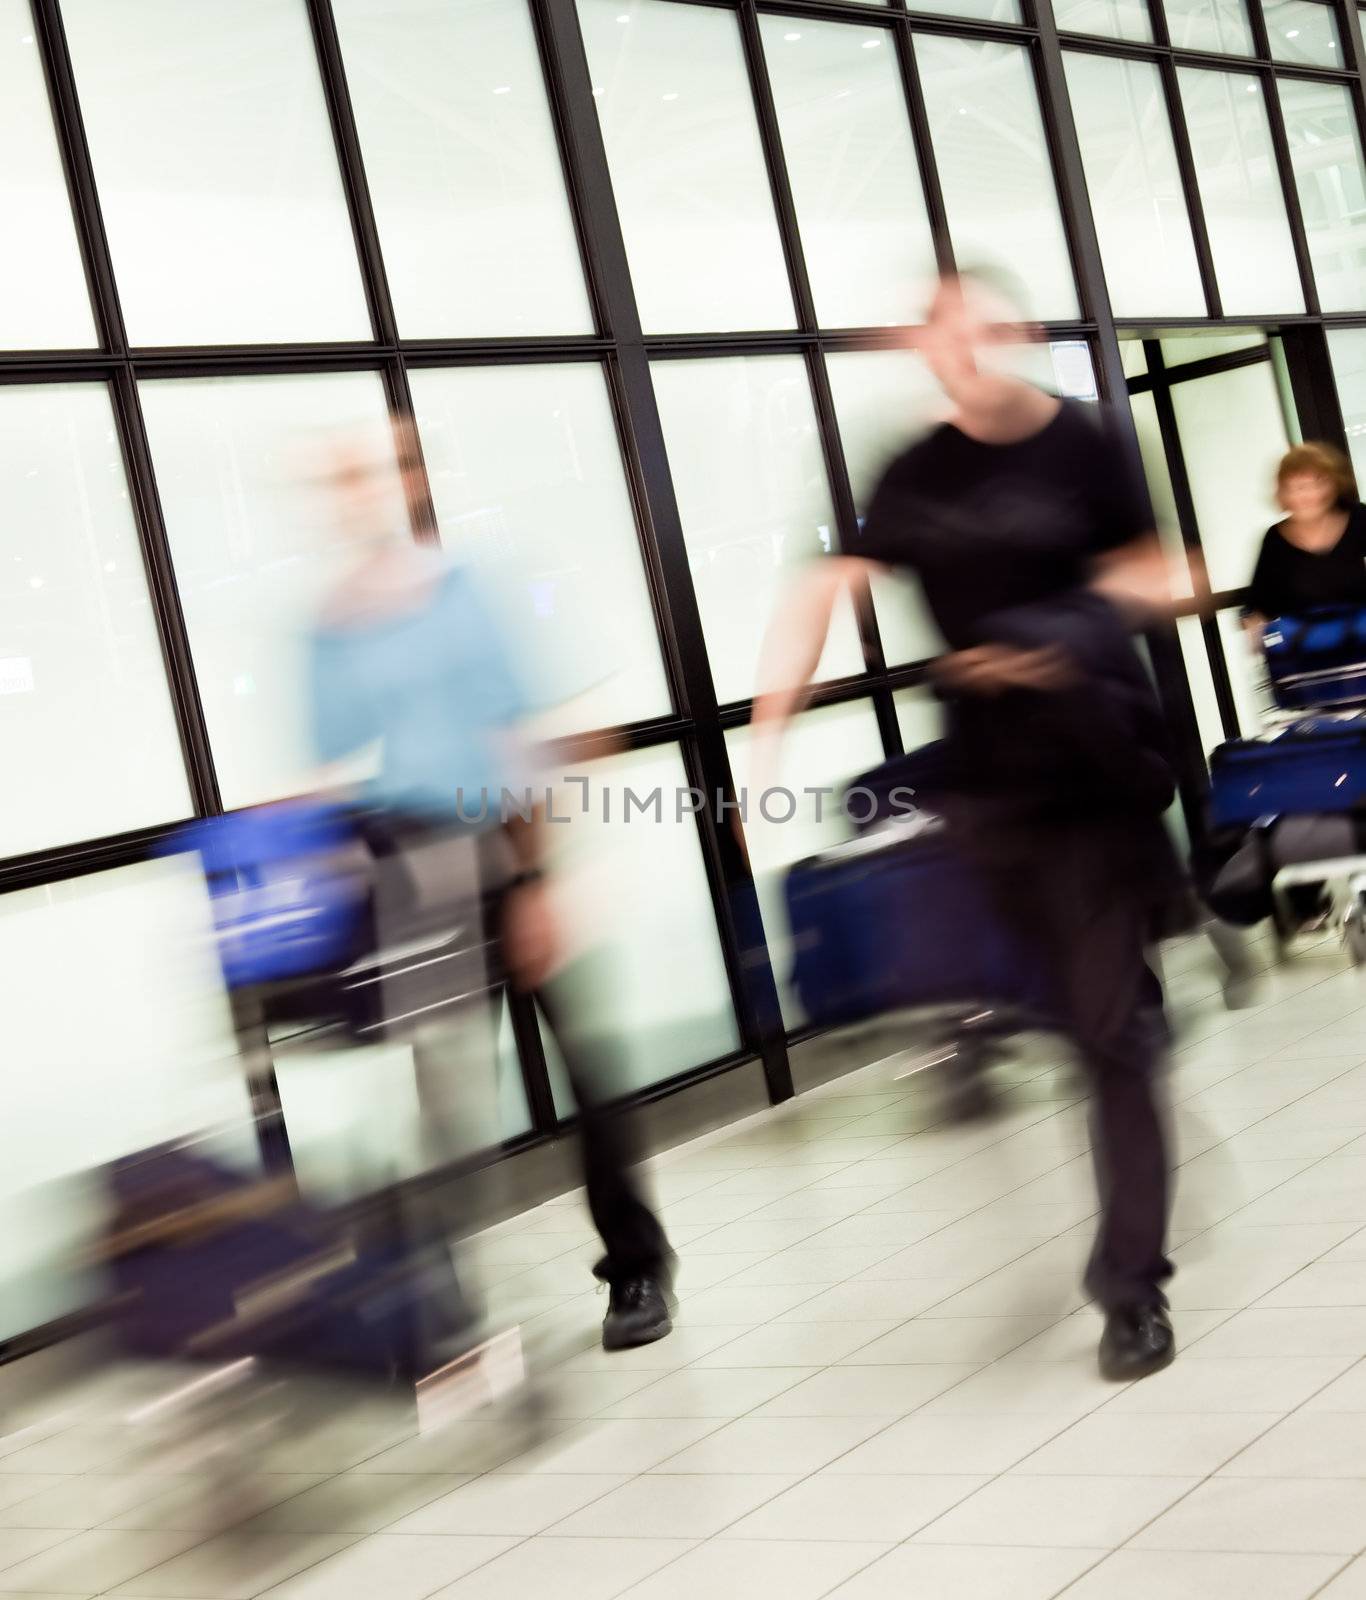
{"type": "Point", "coordinates": [823, 749]}
{"type": "Point", "coordinates": [982, 10]}
{"type": "Point", "coordinates": [1347, 350]}
{"type": "Point", "coordinates": [217, 172]}
{"type": "Point", "coordinates": [632, 896]}
{"type": "Point", "coordinates": [1158, 475]}
{"type": "Point", "coordinates": [993, 165]}
{"type": "Point", "coordinates": [1201, 681]}
{"type": "Point", "coordinates": [1134, 186]}
{"type": "Point", "coordinates": [1304, 31]}
{"type": "Point", "coordinates": [1232, 435]}
{"type": "Point", "coordinates": [692, 190]}
{"type": "Point", "coordinates": [919, 716]}
{"type": "Point", "coordinates": [755, 503]}
{"type": "Point", "coordinates": [464, 171]}
{"type": "Point", "coordinates": [526, 473]}
{"type": "Point", "coordinates": [120, 1035]}
{"type": "Point", "coordinates": [1115, 19]}
{"type": "Point", "coordinates": [43, 299]}
{"type": "Point", "coordinates": [847, 139]}
{"type": "Point", "coordinates": [1330, 177]}
{"type": "Point", "coordinates": [884, 399]}
{"type": "Point", "coordinates": [89, 735]}
{"type": "Point", "coordinates": [1240, 192]}
{"type": "Point", "coordinates": [256, 543]}
{"type": "Point", "coordinates": [1217, 25]}
{"type": "Point", "coordinates": [1182, 348]}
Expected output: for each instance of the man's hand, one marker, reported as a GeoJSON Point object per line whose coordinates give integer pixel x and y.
{"type": "Point", "coordinates": [993, 668]}
{"type": "Point", "coordinates": [531, 940]}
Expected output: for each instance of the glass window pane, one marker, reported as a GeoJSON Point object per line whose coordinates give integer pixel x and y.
{"type": "Point", "coordinates": [920, 717]}
{"type": "Point", "coordinates": [1179, 349]}
{"type": "Point", "coordinates": [526, 473]}
{"type": "Point", "coordinates": [980, 10]}
{"type": "Point", "coordinates": [1135, 187]}
{"type": "Point", "coordinates": [217, 173]}
{"type": "Point", "coordinates": [1133, 358]}
{"type": "Point", "coordinates": [755, 503]}
{"type": "Point", "coordinates": [1240, 192]}
{"type": "Point", "coordinates": [1115, 19]}
{"type": "Point", "coordinates": [826, 747]}
{"type": "Point", "coordinates": [255, 544]}
{"type": "Point", "coordinates": [1158, 476]}
{"type": "Point", "coordinates": [993, 164]}
{"type": "Point", "coordinates": [688, 168]}
{"type": "Point", "coordinates": [43, 299]}
{"type": "Point", "coordinates": [1303, 30]}
{"type": "Point", "coordinates": [632, 896]}
{"type": "Point", "coordinates": [1201, 681]}
{"type": "Point", "coordinates": [463, 167]}
{"type": "Point", "coordinates": [1217, 25]}
{"type": "Point", "coordinates": [884, 399]}
{"type": "Point", "coordinates": [1330, 177]}
{"type": "Point", "coordinates": [90, 737]}
{"type": "Point", "coordinates": [847, 139]}
{"type": "Point", "coordinates": [1347, 351]}
{"type": "Point", "coordinates": [1232, 435]}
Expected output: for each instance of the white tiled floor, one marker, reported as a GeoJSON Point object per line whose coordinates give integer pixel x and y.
{"type": "Point", "coordinates": [882, 1382]}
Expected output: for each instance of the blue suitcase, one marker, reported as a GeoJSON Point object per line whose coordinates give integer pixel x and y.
{"type": "Point", "coordinates": [287, 890]}
{"type": "Point", "coordinates": [210, 1264]}
{"type": "Point", "coordinates": [1318, 659]}
{"type": "Point", "coordinates": [1317, 766]}
{"type": "Point", "coordinates": [898, 920]}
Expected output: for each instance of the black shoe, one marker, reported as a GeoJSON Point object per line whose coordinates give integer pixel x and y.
{"type": "Point", "coordinates": [1138, 1341]}
{"type": "Point", "coordinates": [637, 1313]}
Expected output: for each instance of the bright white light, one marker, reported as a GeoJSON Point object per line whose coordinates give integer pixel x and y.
{"type": "Point", "coordinates": [623, 19]}
{"type": "Point", "coordinates": [1293, 33]}
{"type": "Point", "coordinates": [792, 37]}
{"type": "Point", "coordinates": [35, 583]}
{"type": "Point", "coordinates": [503, 88]}
{"type": "Point", "coordinates": [111, 566]}
{"type": "Point", "coordinates": [872, 44]}
{"type": "Point", "coordinates": [672, 95]}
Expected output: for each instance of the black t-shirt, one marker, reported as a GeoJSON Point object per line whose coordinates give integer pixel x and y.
{"type": "Point", "coordinates": [1288, 581]}
{"type": "Point", "coordinates": [987, 527]}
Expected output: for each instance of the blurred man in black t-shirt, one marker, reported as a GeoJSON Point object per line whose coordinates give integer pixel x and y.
{"type": "Point", "coordinates": [1027, 523]}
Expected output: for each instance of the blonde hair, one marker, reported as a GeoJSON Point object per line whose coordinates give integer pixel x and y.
{"type": "Point", "coordinates": [1321, 461]}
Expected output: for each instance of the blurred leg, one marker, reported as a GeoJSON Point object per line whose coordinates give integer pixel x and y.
{"type": "Point", "coordinates": [633, 1239]}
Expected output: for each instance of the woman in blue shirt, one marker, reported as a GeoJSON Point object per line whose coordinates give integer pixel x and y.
{"type": "Point", "coordinates": [408, 656]}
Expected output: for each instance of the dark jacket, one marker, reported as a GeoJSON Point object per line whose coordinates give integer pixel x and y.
{"type": "Point", "coordinates": [1096, 747]}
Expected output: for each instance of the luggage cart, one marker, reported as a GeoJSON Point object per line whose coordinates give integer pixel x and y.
{"type": "Point", "coordinates": [238, 1301]}
{"type": "Point", "coordinates": [1310, 759]}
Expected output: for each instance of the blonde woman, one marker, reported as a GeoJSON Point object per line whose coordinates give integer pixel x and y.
{"type": "Point", "coordinates": [1315, 556]}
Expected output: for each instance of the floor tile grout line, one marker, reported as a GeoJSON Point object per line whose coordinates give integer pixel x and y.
{"type": "Point", "coordinates": [1333, 1578]}
{"type": "Point", "coordinates": [1057, 1110]}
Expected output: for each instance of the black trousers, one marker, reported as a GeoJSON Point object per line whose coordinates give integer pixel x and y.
{"type": "Point", "coordinates": [1076, 894]}
{"type": "Point", "coordinates": [573, 1002]}
{"type": "Point", "coordinates": [633, 1239]}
